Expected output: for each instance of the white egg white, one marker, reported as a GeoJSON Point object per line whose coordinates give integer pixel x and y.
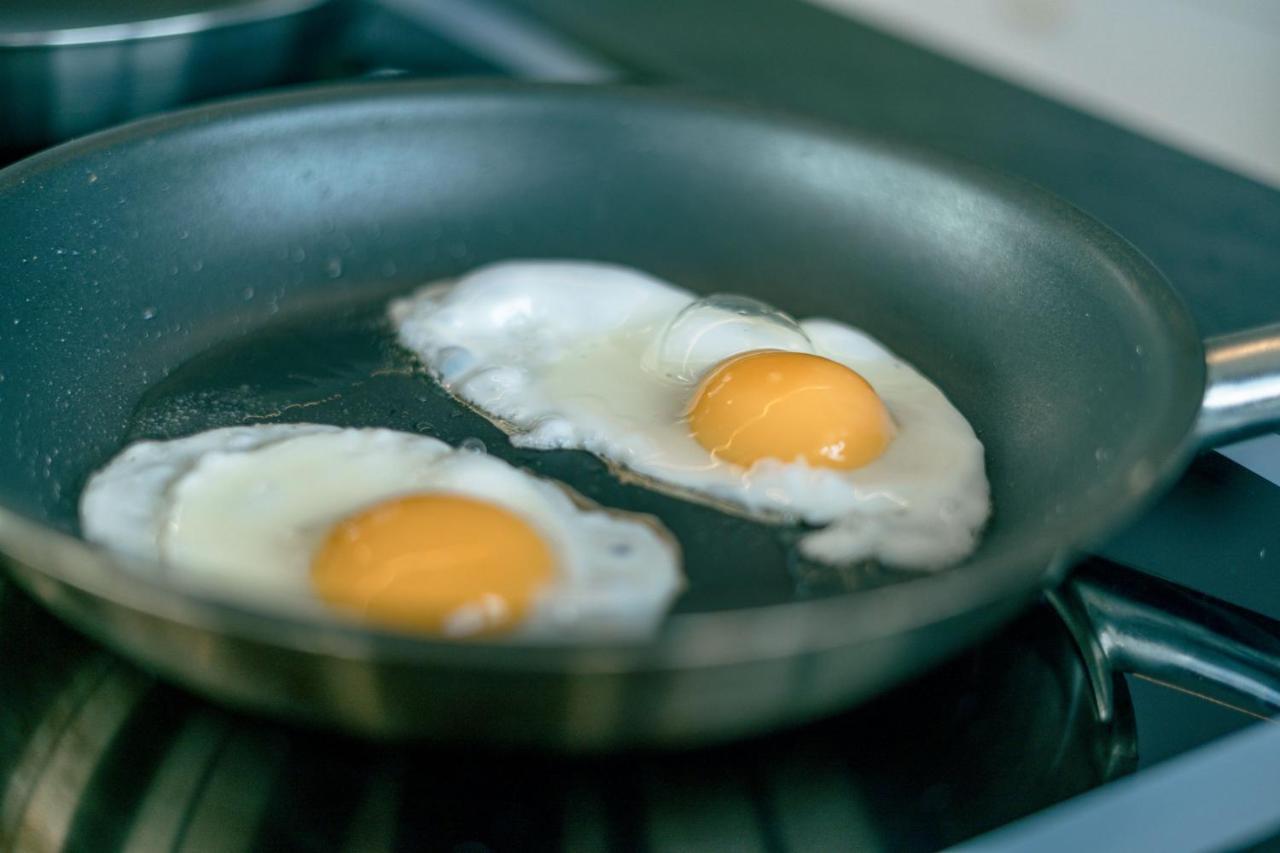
{"type": "Point", "coordinates": [241, 511]}
{"type": "Point", "coordinates": [567, 354]}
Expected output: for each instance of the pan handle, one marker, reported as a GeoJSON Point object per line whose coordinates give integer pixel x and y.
{"type": "Point", "coordinates": [1242, 390]}
{"type": "Point", "coordinates": [1125, 621]}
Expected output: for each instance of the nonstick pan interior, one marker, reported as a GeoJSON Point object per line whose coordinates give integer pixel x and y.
{"type": "Point", "coordinates": [186, 273]}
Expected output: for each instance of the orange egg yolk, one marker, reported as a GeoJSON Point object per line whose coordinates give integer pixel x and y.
{"type": "Point", "coordinates": [770, 404]}
{"type": "Point", "coordinates": [436, 563]}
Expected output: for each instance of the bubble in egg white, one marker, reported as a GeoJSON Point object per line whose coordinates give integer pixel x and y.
{"type": "Point", "coordinates": [713, 328]}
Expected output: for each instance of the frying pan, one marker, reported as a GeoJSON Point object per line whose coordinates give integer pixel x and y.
{"type": "Point", "coordinates": [230, 264]}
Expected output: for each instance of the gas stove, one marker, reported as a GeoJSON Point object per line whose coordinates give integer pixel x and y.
{"type": "Point", "coordinates": [96, 755]}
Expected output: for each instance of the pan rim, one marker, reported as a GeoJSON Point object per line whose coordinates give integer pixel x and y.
{"type": "Point", "coordinates": [687, 640]}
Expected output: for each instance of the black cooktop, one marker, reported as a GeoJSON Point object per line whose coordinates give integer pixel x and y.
{"type": "Point", "coordinates": [97, 756]}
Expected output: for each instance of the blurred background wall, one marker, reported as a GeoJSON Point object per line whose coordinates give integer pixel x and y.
{"type": "Point", "coordinates": [1201, 75]}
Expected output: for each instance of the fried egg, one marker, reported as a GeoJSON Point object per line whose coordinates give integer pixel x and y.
{"type": "Point", "coordinates": [398, 530]}
{"type": "Point", "coordinates": [722, 399]}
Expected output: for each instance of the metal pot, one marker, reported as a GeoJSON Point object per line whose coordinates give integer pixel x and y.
{"type": "Point", "coordinates": [71, 66]}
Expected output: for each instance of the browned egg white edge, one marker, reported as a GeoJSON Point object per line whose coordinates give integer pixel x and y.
{"type": "Point", "coordinates": [629, 476]}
